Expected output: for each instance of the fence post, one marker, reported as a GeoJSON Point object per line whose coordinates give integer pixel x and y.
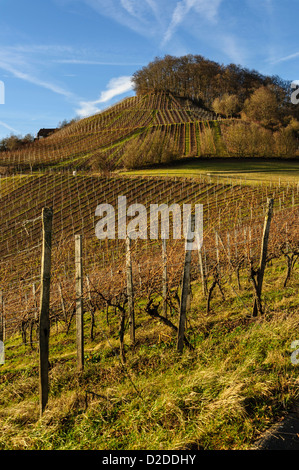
{"type": "Point", "coordinates": [34, 301]}
{"type": "Point", "coordinates": [44, 321]}
{"type": "Point", "coordinates": [1, 317]}
{"type": "Point", "coordinates": [164, 276]}
{"type": "Point", "coordinates": [2, 328]}
{"type": "Point", "coordinates": [202, 272]}
{"type": "Point", "coordinates": [263, 258]}
{"type": "Point", "coordinates": [185, 290]}
{"type": "Point", "coordinates": [79, 302]}
{"type": "Point", "coordinates": [92, 322]}
{"type": "Point", "coordinates": [130, 289]}
{"type": "Point", "coordinates": [217, 249]}
{"type": "Point", "coordinates": [62, 302]}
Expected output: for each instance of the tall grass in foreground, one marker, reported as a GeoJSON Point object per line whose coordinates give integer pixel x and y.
{"type": "Point", "coordinates": [237, 382]}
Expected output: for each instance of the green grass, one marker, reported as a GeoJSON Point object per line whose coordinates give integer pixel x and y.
{"type": "Point", "coordinates": [237, 381]}
{"type": "Point", "coordinates": [253, 170]}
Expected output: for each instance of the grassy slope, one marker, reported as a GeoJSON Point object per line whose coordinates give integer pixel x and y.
{"type": "Point", "coordinates": [109, 135]}
{"type": "Point", "coordinates": [250, 169]}
{"type": "Point", "coordinates": [233, 386]}
{"type": "Point", "coordinates": [237, 381]}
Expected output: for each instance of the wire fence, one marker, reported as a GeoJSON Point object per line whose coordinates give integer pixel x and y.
{"type": "Point", "coordinates": [104, 266]}
{"type": "Point", "coordinates": [233, 228]}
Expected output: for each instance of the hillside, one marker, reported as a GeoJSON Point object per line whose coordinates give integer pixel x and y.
{"type": "Point", "coordinates": [234, 377]}
{"type": "Point", "coordinates": [203, 80]}
{"type": "Point", "coordinates": [223, 395]}
{"type": "Point", "coordinates": [232, 208]}
{"type": "Point", "coordinates": [148, 130]}
{"type": "Point", "coordinates": [184, 107]}
{"type": "Point", "coordinates": [105, 136]}
{"type": "Point", "coordinates": [230, 385]}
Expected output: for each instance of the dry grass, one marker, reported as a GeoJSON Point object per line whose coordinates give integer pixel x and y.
{"type": "Point", "coordinates": [236, 383]}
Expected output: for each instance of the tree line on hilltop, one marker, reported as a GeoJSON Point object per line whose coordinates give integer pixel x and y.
{"type": "Point", "coordinates": [227, 89]}
{"type": "Point", "coordinates": [269, 124]}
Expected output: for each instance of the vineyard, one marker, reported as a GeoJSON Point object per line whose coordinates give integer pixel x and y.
{"type": "Point", "coordinates": [147, 130]}
{"type": "Point", "coordinates": [233, 211]}
{"type": "Point", "coordinates": [106, 135]}
{"type": "Point", "coordinates": [223, 275]}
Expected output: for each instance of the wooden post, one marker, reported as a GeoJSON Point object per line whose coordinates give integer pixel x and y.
{"type": "Point", "coordinates": [140, 279]}
{"type": "Point", "coordinates": [130, 289]}
{"type": "Point", "coordinates": [121, 333]}
{"type": "Point", "coordinates": [217, 249]}
{"type": "Point", "coordinates": [44, 321]}
{"type": "Point", "coordinates": [1, 317]}
{"type": "Point", "coordinates": [62, 302]}
{"type": "Point", "coordinates": [34, 301]}
{"type": "Point", "coordinates": [2, 329]}
{"type": "Point", "coordinates": [263, 258]}
{"type": "Point", "coordinates": [228, 246]}
{"type": "Point", "coordinates": [79, 302]}
{"type": "Point", "coordinates": [92, 310]}
{"type": "Point", "coordinates": [185, 293]}
{"type": "Point", "coordinates": [202, 273]}
{"type": "Point", "coordinates": [164, 276]}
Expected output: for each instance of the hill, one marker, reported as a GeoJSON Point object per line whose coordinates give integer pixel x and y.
{"type": "Point", "coordinates": [147, 130]}
{"type": "Point", "coordinates": [185, 106]}
{"type": "Point", "coordinates": [233, 381]}
{"type": "Point", "coordinates": [203, 80]}
{"type": "Point", "coordinates": [222, 395]}
{"type": "Point", "coordinates": [102, 140]}
{"type": "Point", "coordinates": [235, 376]}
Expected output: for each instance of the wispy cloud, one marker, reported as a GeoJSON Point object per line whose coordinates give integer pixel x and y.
{"type": "Point", "coordinates": [154, 8]}
{"type": "Point", "coordinates": [25, 63]}
{"type": "Point", "coordinates": [115, 87]}
{"type": "Point", "coordinates": [232, 48]}
{"type": "Point", "coordinates": [39, 49]}
{"type": "Point", "coordinates": [139, 16]}
{"type": "Point", "coordinates": [130, 7]}
{"type": "Point", "coordinates": [156, 20]}
{"type": "Point", "coordinates": [95, 62]}
{"type": "Point", "coordinates": [207, 9]}
{"type": "Point", "coordinates": [20, 61]}
{"type": "Point", "coordinates": [181, 10]}
{"type": "Point", "coordinates": [285, 59]}
{"type": "Point", "coordinates": [34, 80]}
{"type": "Point", "coordinates": [12, 129]}
{"type": "Point", "coordinates": [153, 19]}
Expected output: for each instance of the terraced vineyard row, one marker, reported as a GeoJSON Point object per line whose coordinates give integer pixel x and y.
{"type": "Point", "coordinates": [74, 199]}
{"type": "Point", "coordinates": [108, 133]}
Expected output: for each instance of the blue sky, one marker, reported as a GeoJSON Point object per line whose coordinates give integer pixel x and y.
{"type": "Point", "coordinates": [65, 58]}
